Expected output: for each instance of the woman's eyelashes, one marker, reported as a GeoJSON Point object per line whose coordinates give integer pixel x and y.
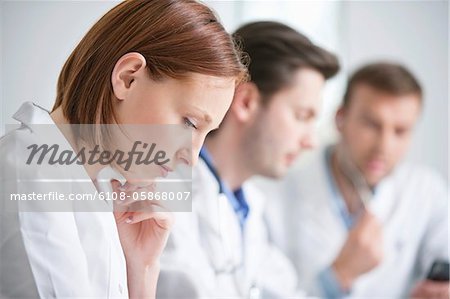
{"type": "Point", "coordinates": [304, 115]}
{"type": "Point", "coordinates": [189, 123]}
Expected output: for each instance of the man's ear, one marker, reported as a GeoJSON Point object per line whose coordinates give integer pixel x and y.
{"type": "Point", "coordinates": [127, 69]}
{"type": "Point", "coordinates": [339, 118]}
{"type": "Point", "coordinates": [246, 101]}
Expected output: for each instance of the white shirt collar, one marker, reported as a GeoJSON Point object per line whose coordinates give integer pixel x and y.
{"type": "Point", "coordinates": [30, 113]}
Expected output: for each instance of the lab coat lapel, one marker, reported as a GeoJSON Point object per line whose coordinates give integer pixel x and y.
{"type": "Point", "coordinates": [320, 208]}
{"type": "Point", "coordinates": [30, 113]}
{"type": "Point", "coordinates": [217, 220]}
{"type": "Point", "coordinates": [76, 181]}
{"type": "Point", "coordinates": [385, 200]}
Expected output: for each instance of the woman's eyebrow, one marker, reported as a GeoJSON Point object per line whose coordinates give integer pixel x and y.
{"type": "Point", "coordinates": [203, 114]}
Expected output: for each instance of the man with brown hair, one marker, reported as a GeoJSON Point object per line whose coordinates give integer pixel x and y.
{"type": "Point", "coordinates": [357, 221]}
{"type": "Point", "coordinates": [221, 249]}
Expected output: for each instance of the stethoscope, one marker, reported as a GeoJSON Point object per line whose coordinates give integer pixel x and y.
{"type": "Point", "coordinates": [231, 266]}
{"type": "Point", "coordinates": [354, 175]}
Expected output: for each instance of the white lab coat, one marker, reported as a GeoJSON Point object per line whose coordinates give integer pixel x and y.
{"type": "Point", "coordinates": [206, 241]}
{"type": "Point", "coordinates": [412, 204]}
{"type": "Point", "coordinates": [53, 254]}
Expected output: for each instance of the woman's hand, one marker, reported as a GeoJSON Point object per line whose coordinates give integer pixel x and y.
{"type": "Point", "coordinates": [144, 228]}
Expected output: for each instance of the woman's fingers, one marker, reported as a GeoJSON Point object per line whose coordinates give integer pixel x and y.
{"type": "Point", "coordinates": [131, 211]}
{"type": "Point", "coordinates": [129, 194]}
{"type": "Point", "coordinates": [163, 217]}
{"type": "Point", "coordinates": [164, 220]}
{"type": "Point", "coordinates": [119, 210]}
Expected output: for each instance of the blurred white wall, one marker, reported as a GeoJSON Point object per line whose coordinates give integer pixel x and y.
{"type": "Point", "coordinates": [36, 39]}
{"type": "Point", "coordinates": [38, 36]}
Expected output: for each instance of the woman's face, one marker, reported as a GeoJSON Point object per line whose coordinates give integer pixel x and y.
{"type": "Point", "coordinates": [196, 104]}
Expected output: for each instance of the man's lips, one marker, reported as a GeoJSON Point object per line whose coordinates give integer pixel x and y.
{"type": "Point", "coordinates": [290, 158]}
{"type": "Point", "coordinates": [376, 165]}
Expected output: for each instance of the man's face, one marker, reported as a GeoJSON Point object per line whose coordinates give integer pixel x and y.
{"type": "Point", "coordinates": [376, 129]}
{"type": "Point", "coordinates": [285, 125]}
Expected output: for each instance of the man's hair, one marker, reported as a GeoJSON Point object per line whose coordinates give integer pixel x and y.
{"type": "Point", "coordinates": [392, 78]}
{"type": "Point", "coordinates": [277, 51]}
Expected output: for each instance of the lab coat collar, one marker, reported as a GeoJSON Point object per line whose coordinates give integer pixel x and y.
{"type": "Point", "coordinates": [204, 154]}
{"type": "Point", "coordinates": [235, 197]}
{"type": "Point", "coordinates": [30, 113]}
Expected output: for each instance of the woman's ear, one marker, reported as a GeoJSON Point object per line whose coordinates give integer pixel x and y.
{"type": "Point", "coordinates": [339, 118]}
{"type": "Point", "coordinates": [246, 101]}
{"type": "Point", "coordinates": [129, 67]}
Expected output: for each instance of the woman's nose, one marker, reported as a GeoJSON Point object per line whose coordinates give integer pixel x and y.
{"type": "Point", "coordinates": [309, 141]}
{"type": "Point", "coordinates": [187, 157]}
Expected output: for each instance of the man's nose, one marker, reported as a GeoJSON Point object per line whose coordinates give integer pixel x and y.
{"type": "Point", "coordinates": [386, 142]}
{"type": "Point", "coordinates": [309, 141]}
